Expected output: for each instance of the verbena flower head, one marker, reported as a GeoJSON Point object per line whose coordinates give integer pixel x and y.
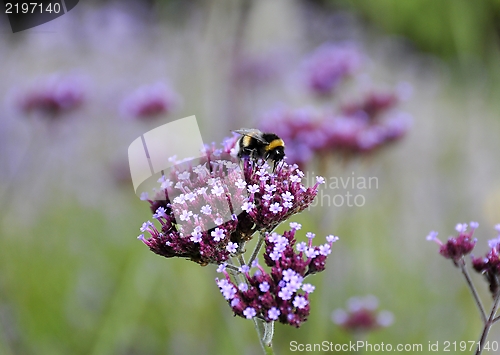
{"type": "Point", "coordinates": [329, 65]}
{"type": "Point", "coordinates": [280, 294]}
{"type": "Point", "coordinates": [457, 247]}
{"type": "Point", "coordinates": [362, 315]}
{"type": "Point", "coordinates": [150, 101]}
{"type": "Point", "coordinates": [51, 96]}
{"type": "Point", "coordinates": [489, 265]}
{"type": "Point", "coordinates": [206, 211]}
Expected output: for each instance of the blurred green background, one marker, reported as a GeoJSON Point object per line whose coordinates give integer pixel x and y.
{"type": "Point", "coordinates": [73, 278]}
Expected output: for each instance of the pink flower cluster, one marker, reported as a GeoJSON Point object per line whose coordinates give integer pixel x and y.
{"type": "Point", "coordinates": [51, 96]}
{"type": "Point", "coordinates": [457, 247]}
{"type": "Point", "coordinates": [362, 315]}
{"type": "Point", "coordinates": [280, 294]}
{"type": "Point", "coordinates": [150, 101]}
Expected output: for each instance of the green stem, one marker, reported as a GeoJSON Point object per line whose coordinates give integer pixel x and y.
{"type": "Point", "coordinates": [232, 268]}
{"type": "Point", "coordinates": [265, 333]}
{"type": "Point", "coordinates": [262, 236]}
{"type": "Point", "coordinates": [241, 260]}
{"type": "Point", "coordinates": [488, 324]}
{"type": "Point", "coordinates": [463, 268]}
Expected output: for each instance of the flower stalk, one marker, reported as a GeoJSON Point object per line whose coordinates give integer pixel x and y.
{"type": "Point", "coordinates": [465, 272]}
{"type": "Point", "coordinates": [488, 324]}
{"type": "Point", "coordinates": [455, 249]}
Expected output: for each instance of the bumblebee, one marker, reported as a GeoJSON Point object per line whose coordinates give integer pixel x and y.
{"type": "Point", "coordinates": [259, 145]}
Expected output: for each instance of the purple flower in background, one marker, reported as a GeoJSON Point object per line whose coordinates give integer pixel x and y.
{"type": "Point", "coordinates": [489, 265]}
{"type": "Point", "coordinates": [359, 128]}
{"type": "Point", "coordinates": [329, 65]}
{"type": "Point", "coordinates": [51, 96]}
{"type": "Point", "coordinates": [457, 247]}
{"type": "Point", "coordinates": [280, 294]}
{"type": "Point", "coordinates": [257, 69]}
{"type": "Point", "coordinates": [371, 105]}
{"type": "Point", "coordinates": [150, 101]}
{"type": "Point", "coordinates": [362, 315]}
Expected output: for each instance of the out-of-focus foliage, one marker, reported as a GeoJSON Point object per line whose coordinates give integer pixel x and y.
{"type": "Point", "coordinates": [446, 27]}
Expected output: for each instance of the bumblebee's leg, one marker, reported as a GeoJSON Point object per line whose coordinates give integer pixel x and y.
{"type": "Point", "coordinates": [278, 164]}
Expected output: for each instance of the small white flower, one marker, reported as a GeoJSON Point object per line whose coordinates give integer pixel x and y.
{"type": "Point", "coordinates": [287, 196]}
{"type": "Point", "coordinates": [295, 225]}
{"type": "Point", "coordinates": [185, 215]}
{"type": "Point", "coordinates": [218, 234]}
{"type": "Point", "coordinates": [331, 238]}
{"type": "Point", "coordinates": [217, 190]}
{"type": "Point", "coordinates": [184, 175]}
{"type": "Point", "coordinates": [253, 188]}
{"type": "Point", "coordinates": [275, 208]}
{"type": "Point", "coordinates": [248, 206]}
{"type": "Point", "coordinates": [295, 178]}
{"type": "Point", "coordinates": [207, 209]}
{"type": "Point", "coordinates": [231, 247]}
{"type": "Point", "coordinates": [240, 184]}
{"type": "Point", "coordinates": [320, 180]}
{"type": "Point", "coordinates": [166, 183]}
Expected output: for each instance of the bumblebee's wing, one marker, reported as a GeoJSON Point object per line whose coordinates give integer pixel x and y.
{"type": "Point", "coordinates": [251, 132]}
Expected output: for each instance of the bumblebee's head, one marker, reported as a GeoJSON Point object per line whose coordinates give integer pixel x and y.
{"type": "Point", "coordinates": [275, 149]}
{"type": "Point", "coordinates": [276, 155]}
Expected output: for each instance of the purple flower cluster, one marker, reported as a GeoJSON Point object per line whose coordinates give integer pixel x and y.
{"type": "Point", "coordinates": [275, 197]}
{"type": "Point", "coordinates": [51, 96]}
{"type": "Point", "coordinates": [329, 65]}
{"type": "Point", "coordinates": [362, 315]}
{"type": "Point", "coordinates": [457, 247]}
{"type": "Point", "coordinates": [489, 265]}
{"type": "Point", "coordinates": [280, 294]}
{"type": "Point", "coordinates": [206, 212]}
{"type": "Point", "coordinates": [197, 209]}
{"type": "Point", "coordinates": [150, 102]}
{"type": "Point", "coordinates": [359, 128]}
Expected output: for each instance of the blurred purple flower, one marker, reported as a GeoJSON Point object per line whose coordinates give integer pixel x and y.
{"type": "Point", "coordinates": [253, 70]}
{"type": "Point", "coordinates": [457, 247]}
{"type": "Point", "coordinates": [51, 96]}
{"type": "Point", "coordinates": [359, 129]}
{"type": "Point", "coordinates": [280, 294]}
{"type": "Point", "coordinates": [489, 265]}
{"type": "Point", "coordinates": [329, 65]}
{"type": "Point", "coordinates": [371, 105]}
{"type": "Point", "coordinates": [150, 102]}
{"type": "Point", "coordinates": [362, 315]}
